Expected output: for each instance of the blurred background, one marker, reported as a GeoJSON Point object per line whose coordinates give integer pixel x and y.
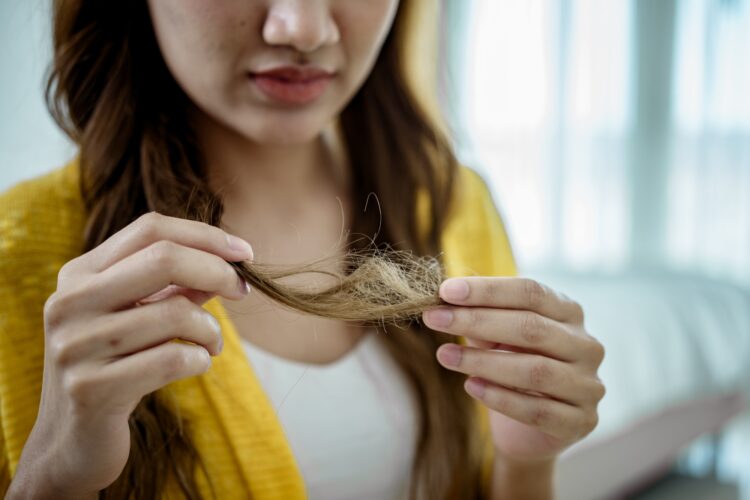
{"type": "Point", "coordinates": [615, 136]}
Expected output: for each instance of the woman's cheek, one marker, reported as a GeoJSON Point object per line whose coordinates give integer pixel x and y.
{"type": "Point", "coordinates": [364, 25]}
{"type": "Point", "coordinates": [198, 33]}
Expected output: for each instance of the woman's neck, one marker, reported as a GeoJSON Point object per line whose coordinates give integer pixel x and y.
{"type": "Point", "coordinates": [238, 167]}
{"type": "Point", "coordinates": [253, 178]}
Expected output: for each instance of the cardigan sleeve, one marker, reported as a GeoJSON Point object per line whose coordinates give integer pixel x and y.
{"type": "Point", "coordinates": [475, 241]}
{"type": "Point", "coordinates": [40, 227]}
{"type": "Point", "coordinates": [4, 466]}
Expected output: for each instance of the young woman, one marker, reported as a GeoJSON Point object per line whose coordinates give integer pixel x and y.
{"type": "Point", "coordinates": [300, 119]}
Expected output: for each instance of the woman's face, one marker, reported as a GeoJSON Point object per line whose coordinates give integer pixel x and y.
{"type": "Point", "coordinates": [273, 71]}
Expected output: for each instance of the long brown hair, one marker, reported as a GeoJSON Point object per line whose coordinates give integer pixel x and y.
{"type": "Point", "coordinates": [112, 93]}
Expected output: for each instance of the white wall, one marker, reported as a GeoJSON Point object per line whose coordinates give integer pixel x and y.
{"type": "Point", "coordinates": [30, 142]}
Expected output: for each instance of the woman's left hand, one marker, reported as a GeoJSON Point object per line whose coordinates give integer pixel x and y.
{"type": "Point", "coordinates": [544, 392]}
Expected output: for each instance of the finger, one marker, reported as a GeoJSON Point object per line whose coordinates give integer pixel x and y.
{"type": "Point", "coordinates": [150, 270]}
{"type": "Point", "coordinates": [524, 329]}
{"type": "Point", "coordinates": [510, 293]}
{"type": "Point", "coordinates": [486, 344]}
{"type": "Point", "coordinates": [153, 227]}
{"type": "Point", "coordinates": [195, 296]}
{"type": "Point", "coordinates": [482, 344]}
{"type": "Point", "coordinates": [130, 378]}
{"type": "Point", "coordinates": [132, 330]}
{"type": "Point", "coordinates": [528, 372]}
{"type": "Point", "coordinates": [552, 417]}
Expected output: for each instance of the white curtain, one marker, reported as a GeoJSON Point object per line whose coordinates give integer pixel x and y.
{"type": "Point", "coordinates": [615, 135]}
{"type": "Point", "coordinates": [709, 195]}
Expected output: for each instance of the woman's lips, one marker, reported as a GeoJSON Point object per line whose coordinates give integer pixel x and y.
{"type": "Point", "coordinates": [292, 85]}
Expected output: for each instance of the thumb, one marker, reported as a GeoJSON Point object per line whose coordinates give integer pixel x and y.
{"type": "Point", "coordinates": [197, 297]}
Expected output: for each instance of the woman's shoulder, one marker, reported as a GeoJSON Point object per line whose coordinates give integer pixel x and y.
{"type": "Point", "coordinates": [475, 239]}
{"type": "Point", "coordinates": [472, 190]}
{"type": "Point", "coordinates": [41, 222]}
{"type": "Point", "coordinates": [58, 185]}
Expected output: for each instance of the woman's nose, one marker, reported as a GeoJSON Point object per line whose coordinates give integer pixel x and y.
{"type": "Point", "coordinates": [305, 25]}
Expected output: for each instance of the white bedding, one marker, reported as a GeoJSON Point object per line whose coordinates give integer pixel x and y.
{"type": "Point", "coordinates": [671, 342]}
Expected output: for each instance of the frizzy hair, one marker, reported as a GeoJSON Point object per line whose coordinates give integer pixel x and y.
{"type": "Point", "coordinates": [111, 92]}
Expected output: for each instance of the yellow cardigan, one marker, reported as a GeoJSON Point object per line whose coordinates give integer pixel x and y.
{"type": "Point", "coordinates": [235, 427]}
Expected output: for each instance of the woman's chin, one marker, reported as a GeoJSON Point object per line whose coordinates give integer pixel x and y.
{"type": "Point", "coordinates": [288, 134]}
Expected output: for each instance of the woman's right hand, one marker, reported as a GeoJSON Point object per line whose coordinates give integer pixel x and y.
{"type": "Point", "coordinates": [109, 328]}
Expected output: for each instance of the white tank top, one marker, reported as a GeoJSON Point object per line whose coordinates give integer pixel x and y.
{"type": "Point", "coordinates": [351, 424]}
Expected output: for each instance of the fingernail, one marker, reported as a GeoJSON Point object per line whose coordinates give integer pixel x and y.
{"type": "Point", "coordinates": [214, 323]}
{"type": "Point", "coordinates": [439, 318]}
{"type": "Point", "coordinates": [240, 245]}
{"type": "Point", "coordinates": [216, 327]}
{"type": "Point", "coordinates": [244, 287]}
{"type": "Point", "coordinates": [454, 289]}
{"type": "Point", "coordinates": [475, 387]}
{"type": "Point", "coordinates": [449, 354]}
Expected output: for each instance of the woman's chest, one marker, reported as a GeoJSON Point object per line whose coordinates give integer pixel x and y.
{"type": "Point", "coordinates": [289, 334]}
{"type": "Point", "coordinates": [351, 424]}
